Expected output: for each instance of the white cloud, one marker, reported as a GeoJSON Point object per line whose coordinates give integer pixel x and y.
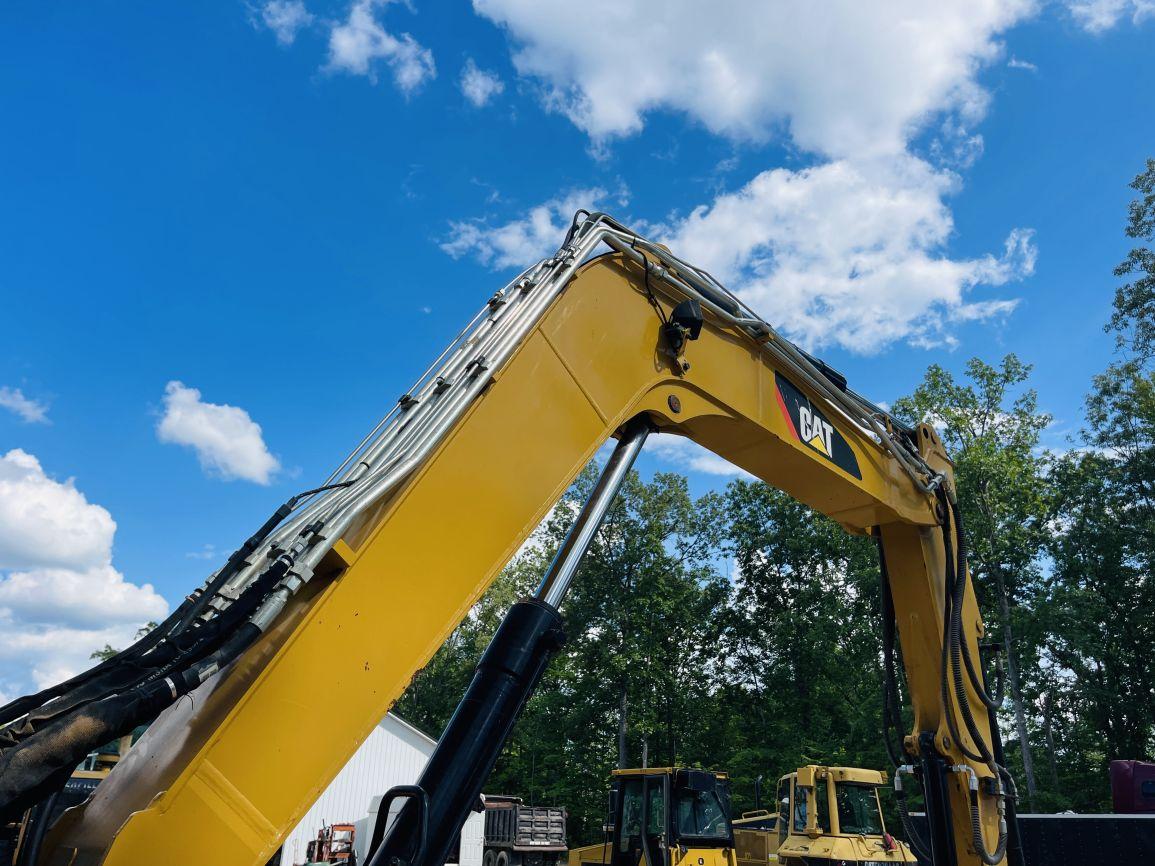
{"type": "Point", "coordinates": [1017, 63]}
{"type": "Point", "coordinates": [851, 250]}
{"type": "Point", "coordinates": [479, 85]}
{"type": "Point", "coordinates": [29, 410]}
{"type": "Point", "coordinates": [844, 77]}
{"type": "Point", "coordinates": [357, 43]}
{"type": "Point", "coordinates": [521, 242]}
{"type": "Point", "coordinates": [285, 18]}
{"type": "Point", "coordinates": [209, 551]}
{"type": "Point", "coordinates": [48, 523]}
{"type": "Point", "coordinates": [60, 596]}
{"type": "Point", "coordinates": [844, 253]}
{"type": "Point", "coordinates": [688, 454]}
{"type": "Point", "coordinates": [92, 598]}
{"type": "Point", "coordinates": [1098, 16]}
{"type": "Point", "coordinates": [848, 253]}
{"type": "Point", "coordinates": [227, 441]}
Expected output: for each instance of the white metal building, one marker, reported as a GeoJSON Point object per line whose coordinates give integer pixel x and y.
{"type": "Point", "coordinates": [394, 754]}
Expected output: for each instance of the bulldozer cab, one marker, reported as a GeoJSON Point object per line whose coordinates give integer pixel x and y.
{"type": "Point", "coordinates": [662, 816]}
{"type": "Point", "coordinates": [833, 814]}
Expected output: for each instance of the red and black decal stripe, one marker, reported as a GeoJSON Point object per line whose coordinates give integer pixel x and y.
{"type": "Point", "coordinates": [812, 428]}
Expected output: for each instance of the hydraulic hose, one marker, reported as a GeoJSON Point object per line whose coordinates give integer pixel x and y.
{"type": "Point", "coordinates": [29, 769]}
{"type": "Point", "coordinates": [990, 858]}
{"type": "Point", "coordinates": [949, 592]}
{"type": "Point", "coordinates": [13, 710]}
{"type": "Point", "coordinates": [166, 659]}
{"type": "Point", "coordinates": [956, 649]}
{"type": "Point", "coordinates": [891, 718]}
{"type": "Point", "coordinates": [957, 641]}
{"type": "Point", "coordinates": [110, 674]}
{"type": "Point", "coordinates": [917, 843]}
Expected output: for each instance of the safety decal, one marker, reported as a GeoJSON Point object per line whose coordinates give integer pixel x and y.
{"type": "Point", "coordinates": [812, 428]}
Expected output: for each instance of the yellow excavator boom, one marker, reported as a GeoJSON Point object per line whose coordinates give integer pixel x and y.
{"type": "Point", "coordinates": [229, 768]}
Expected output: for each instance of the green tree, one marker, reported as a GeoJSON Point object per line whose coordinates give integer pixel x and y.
{"type": "Point", "coordinates": [633, 682]}
{"type": "Point", "coordinates": [1133, 319]}
{"type": "Point", "coordinates": [802, 649]}
{"type": "Point", "coordinates": [991, 426]}
{"type": "Point", "coordinates": [108, 651]}
{"type": "Point", "coordinates": [1100, 591]}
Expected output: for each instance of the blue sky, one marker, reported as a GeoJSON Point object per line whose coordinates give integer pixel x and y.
{"type": "Point", "coordinates": [288, 208]}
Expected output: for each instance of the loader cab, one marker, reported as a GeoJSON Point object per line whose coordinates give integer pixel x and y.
{"type": "Point", "coordinates": [832, 814]}
{"type": "Point", "coordinates": [662, 816]}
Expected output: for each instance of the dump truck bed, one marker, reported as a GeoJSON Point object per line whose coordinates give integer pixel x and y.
{"type": "Point", "coordinates": [525, 828]}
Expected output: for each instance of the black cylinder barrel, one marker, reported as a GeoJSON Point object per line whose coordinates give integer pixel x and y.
{"type": "Point", "coordinates": [505, 678]}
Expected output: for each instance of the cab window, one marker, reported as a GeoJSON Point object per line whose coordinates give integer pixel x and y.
{"type": "Point", "coordinates": [701, 814]}
{"type": "Point", "coordinates": [858, 811]}
{"type": "Point", "coordinates": [632, 811]}
{"type": "Point", "coordinates": [657, 809]}
{"type": "Point", "coordinates": [803, 797]}
{"type": "Point", "coordinates": [783, 808]}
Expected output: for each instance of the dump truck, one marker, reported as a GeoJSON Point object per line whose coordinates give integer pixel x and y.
{"type": "Point", "coordinates": [521, 835]}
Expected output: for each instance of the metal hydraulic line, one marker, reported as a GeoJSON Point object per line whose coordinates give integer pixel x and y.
{"type": "Point", "coordinates": [435, 809]}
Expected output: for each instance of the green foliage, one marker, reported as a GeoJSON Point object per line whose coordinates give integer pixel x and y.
{"type": "Point", "coordinates": [108, 651]}
{"type": "Point", "coordinates": [1133, 319]}
{"type": "Point", "coordinates": [991, 427]}
{"type": "Point", "coordinates": [1100, 671]}
{"type": "Point", "coordinates": [801, 639]}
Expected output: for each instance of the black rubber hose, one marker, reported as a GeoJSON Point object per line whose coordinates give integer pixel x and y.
{"type": "Point", "coordinates": [948, 628]}
{"type": "Point", "coordinates": [174, 625]}
{"type": "Point", "coordinates": [40, 820]}
{"type": "Point", "coordinates": [29, 771]}
{"type": "Point", "coordinates": [239, 641]}
{"type": "Point", "coordinates": [891, 719]}
{"type": "Point", "coordinates": [977, 682]}
{"type": "Point", "coordinates": [917, 843]}
{"type": "Point", "coordinates": [957, 640]}
{"type": "Point", "coordinates": [990, 858]}
{"type": "Point", "coordinates": [13, 710]}
{"type": "Point", "coordinates": [163, 662]}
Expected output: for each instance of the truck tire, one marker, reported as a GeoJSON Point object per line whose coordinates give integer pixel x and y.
{"type": "Point", "coordinates": [502, 859]}
{"type": "Point", "coordinates": [489, 859]}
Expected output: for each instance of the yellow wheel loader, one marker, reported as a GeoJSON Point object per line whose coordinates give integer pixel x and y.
{"type": "Point", "coordinates": [667, 816]}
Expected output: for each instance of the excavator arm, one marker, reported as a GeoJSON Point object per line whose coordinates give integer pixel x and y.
{"type": "Point", "coordinates": [358, 584]}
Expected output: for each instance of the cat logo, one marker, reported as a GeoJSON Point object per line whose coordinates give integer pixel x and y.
{"type": "Point", "coordinates": [813, 429]}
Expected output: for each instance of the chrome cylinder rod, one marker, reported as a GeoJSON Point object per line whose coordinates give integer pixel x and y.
{"type": "Point", "coordinates": [561, 571]}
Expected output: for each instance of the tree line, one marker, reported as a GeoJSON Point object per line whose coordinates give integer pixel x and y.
{"type": "Point", "coordinates": [741, 631]}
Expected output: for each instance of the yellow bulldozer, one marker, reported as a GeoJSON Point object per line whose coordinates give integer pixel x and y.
{"type": "Point", "coordinates": [823, 815]}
